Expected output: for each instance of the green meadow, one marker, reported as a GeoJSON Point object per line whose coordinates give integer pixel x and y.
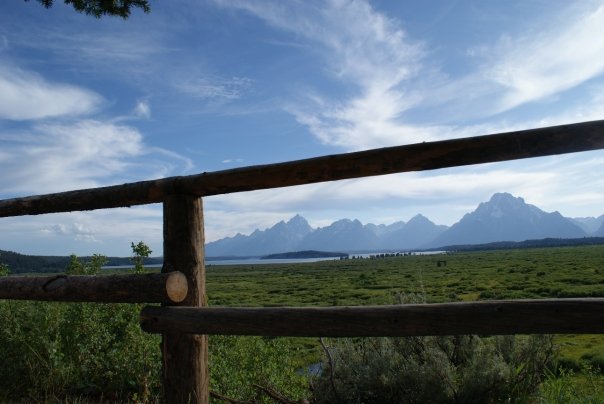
{"type": "Point", "coordinates": [61, 352]}
{"type": "Point", "coordinates": [562, 272]}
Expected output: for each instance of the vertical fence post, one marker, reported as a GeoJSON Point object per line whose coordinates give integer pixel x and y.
{"type": "Point", "coordinates": [185, 357]}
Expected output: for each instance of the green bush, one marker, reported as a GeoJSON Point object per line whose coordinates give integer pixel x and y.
{"type": "Point", "coordinates": [4, 270]}
{"type": "Point", "coordinates": [459, 369]}
{"type": "Point", "coordinates": [241, 366]}
{"type": "Point", "coordinates": [561, 387]}
{"type": "Point", "coordinates": [594, 359]}
{"type": "Point", "coordinates": [53, 350]}
{"type": "Point", "coordinates": [66, 351]}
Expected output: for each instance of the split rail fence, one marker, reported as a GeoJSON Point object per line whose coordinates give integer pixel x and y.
{"type": "Point", "coordinates": [184, 320]}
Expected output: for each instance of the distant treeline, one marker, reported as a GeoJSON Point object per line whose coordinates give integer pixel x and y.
{"type": "Point", "coordinates": [21, 263]}
{"type": "Point", "coordinates": [305, 254]}
{"type": "Point", "coordinates": [508, 245]}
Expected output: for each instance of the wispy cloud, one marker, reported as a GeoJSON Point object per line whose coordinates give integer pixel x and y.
{"type": "Point", "coordinates": [361, 47]}
{"type": "Point", "coordinates": [231, 161]}
{"type": "Point", "coordinates": [142, 109]}
{"type": "Point", "coordinates": [214, 88]}
{"type": "Point", "coordinates": [25, 95]}
{"type": "Point", "coordinates": [533, 67]}
{"type": "Point", "coordinates": [77, 230]}
{"type": "Point", "coordinates": [393, 79]}
{"type": "Point", "coordinates": [88, 153]}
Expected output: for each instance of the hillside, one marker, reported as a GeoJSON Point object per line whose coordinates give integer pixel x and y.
{"type": "Point", "coordinates": [21, 263]}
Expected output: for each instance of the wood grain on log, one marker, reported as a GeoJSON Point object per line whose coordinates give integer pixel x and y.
{"type": "Point", "coordinates": [416, 157]}
{"type": "Point", "coordinates": [130, 288]}
{"type": "Point", "coordinates": [185, 357]}
{"type": "Point", "coordinates": [549, 316]}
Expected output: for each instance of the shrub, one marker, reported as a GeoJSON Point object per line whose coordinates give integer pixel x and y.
{"type": "Point", "coordinates": [241, 366]}
{"type": "Point", "coordinates": [595, 360]}
{"type": "Point", "coordinates": [53, 352]}
{"type": "Point", "coordinates": [4, 270]}
{"type": "Point", "coordinates": [458, 369]}
{"type": "Point", "coordinates": [561, 387]}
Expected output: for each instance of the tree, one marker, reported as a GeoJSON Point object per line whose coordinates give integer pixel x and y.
{"type": "Point", "coordinates": [4, 270]}
{"type": "Point", "coordinates": [140, 251]}
{"type": "Point", "coordinates": [91, 267]}
{"type": "Point", "coordinates": [99, 8]}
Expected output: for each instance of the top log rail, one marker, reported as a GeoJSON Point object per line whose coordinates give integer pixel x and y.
{"type": "Point", "coordinates": [416, 157]}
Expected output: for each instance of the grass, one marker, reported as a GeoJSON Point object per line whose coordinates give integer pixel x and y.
{"type": "Point", "coordinates": [513, 274]}
{"type": "Point", "coordinates": [468, 276]}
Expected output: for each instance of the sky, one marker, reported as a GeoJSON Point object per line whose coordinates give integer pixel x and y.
{"type": "Point", "coordinates": [199, 86]}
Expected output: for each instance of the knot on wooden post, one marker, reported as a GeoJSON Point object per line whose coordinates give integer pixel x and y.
{"type": "Point", "coordinates": [55, 283]}
{"type": "Point", "coordinates": [177, 287]}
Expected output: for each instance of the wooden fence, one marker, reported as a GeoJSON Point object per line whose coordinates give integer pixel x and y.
{"type": "Point", "coordinates": [184, 320]}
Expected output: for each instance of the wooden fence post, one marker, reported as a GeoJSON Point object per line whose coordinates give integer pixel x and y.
{"type": "Point", "coordinates": [185, 357]}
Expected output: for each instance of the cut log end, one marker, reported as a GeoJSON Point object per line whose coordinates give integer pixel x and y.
{"type": "Point", "coordinates": [177, 287]}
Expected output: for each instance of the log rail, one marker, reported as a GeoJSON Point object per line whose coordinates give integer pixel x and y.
{"type": "Point", "coordinates": [132, 288]}
{"type": "Point", "coordinates": [184, 329]}
{"type": "Point", "coordinates": [542, 316]}
{"type": "Point", "coordinates": [416, 157]}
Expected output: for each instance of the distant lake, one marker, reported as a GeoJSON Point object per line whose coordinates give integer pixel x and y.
{"type": "Point", "coordinates": [258, 261]}
{"type": "Point", "coordinates": [242, 261]}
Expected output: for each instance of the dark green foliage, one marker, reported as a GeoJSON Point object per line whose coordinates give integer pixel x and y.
{"type": "Point", "coordinates": [562, 387]}
{"type": "Point", "coordinates": [57, 349]}
{"type": "Point", "coordinates": [460, 369]}
{"type": "Point", "coordinates": [594, 359]}
{"type": "Point", "coordinates": [52, 351]}
{"type": "Point", "coordinates": [239, 364]}
{"type": "Point", "coordinates": [4, 269]}
{"type": "Point", "coordinates": [99, 8]}
{"type": "Point", "coordinates": [20, 263]}
{"type": "Point", "coordinates": [91, 267]}
{"type": "Point", "coordinates": [75, 349]}
{"type": "Point", "coordinates": [140, 252]}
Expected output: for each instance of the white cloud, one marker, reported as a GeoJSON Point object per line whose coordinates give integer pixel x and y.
{"type": "Point", "coordinates": [78, 231]}
{"type": "Point", "coordinates": [107, 232]}
{"type": "Point", "coordinates": [390, 72]}
{"type": "Point", "coordinates": [362, 47]}
{"type": "Point", "coordinates": [231, 161]}
{"type": "Point", "coordinates": [142, 109]}
{"type": "Point", "coordinates": [214, 88]}
{"type": "Point", "coordinates": [25, 95]}
{"type": "Point", "coordinates": [89, 153]}
{"type": "Point", "coordinates": [531, 68]}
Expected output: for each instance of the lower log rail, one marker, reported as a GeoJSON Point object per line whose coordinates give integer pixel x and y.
{"type": "Point", "coordinates": [544, 316]}
{"type": "Point", "coordinates": [131, 288]}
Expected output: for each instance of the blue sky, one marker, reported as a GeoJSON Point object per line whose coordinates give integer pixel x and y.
{"type": "Point", "coordinates": [210, 85]}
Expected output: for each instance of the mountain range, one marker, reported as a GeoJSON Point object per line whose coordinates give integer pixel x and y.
{"type": "Point", "coordinates": [503, 218]}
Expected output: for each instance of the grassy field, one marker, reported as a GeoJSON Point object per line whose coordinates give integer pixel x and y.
{"type": "Point", "coordinates": [506, 274]}
{"type": "Point", "coordinates": [57, 351]}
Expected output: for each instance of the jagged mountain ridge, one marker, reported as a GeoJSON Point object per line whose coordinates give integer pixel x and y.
{"type": "Point", "coordinates": [590, 225]}
{"type": "Point", "coordinates": [502, 218]}
{"type": "Point", "coordinates": [282, 237]}
{"type": "Point", "coordinates": [507, 218]}
{"type": "Point", "coordinates": [344, 234]}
